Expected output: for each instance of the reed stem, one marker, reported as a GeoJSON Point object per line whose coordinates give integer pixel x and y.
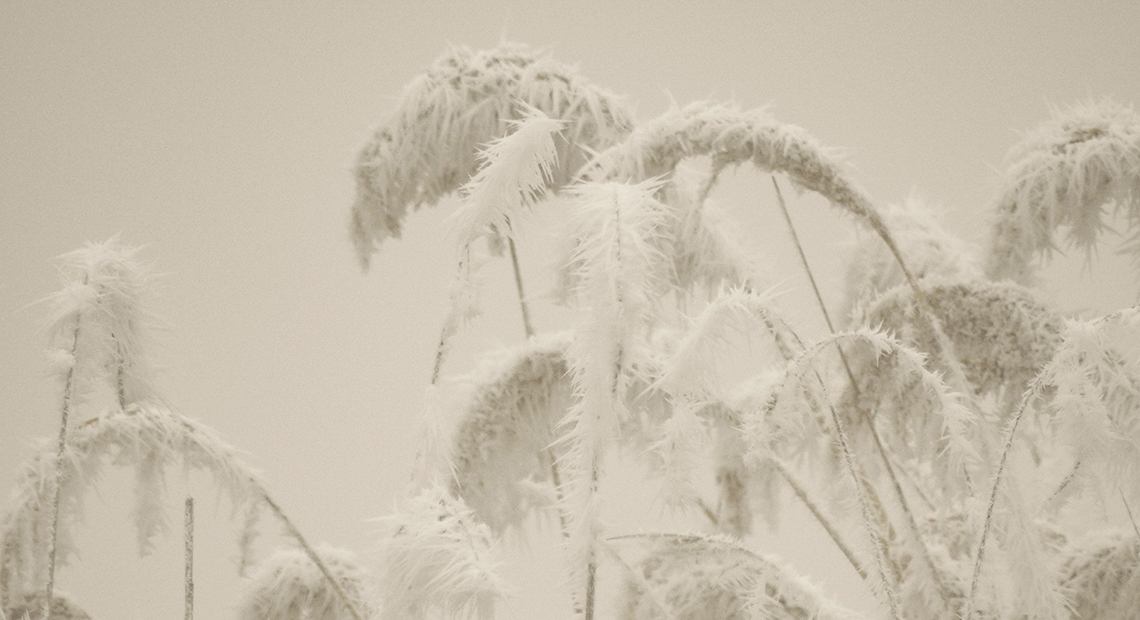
{"type": "Point", "coordinates": [900, 496]}
{"type": "Point", "coordinates": [1025, 399]}
{"type": "Point", "coordinates": [296, 534]}
{"type": "Point", "coordinates": [527, 327]}
{"type": "Point", "coordinates": [61, 446]}
{"type": "Point", "coordinates": [189, 540]}
{"type": "Point", "coordinates": [801, 492]}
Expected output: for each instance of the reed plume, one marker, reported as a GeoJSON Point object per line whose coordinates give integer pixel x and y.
{"type": "Point", "coordinates": [98, 324]}
{"type": "Point", "coordinates": [429, 145]}
{"type": "Point", "coordinates": [147, 437]}
{"type": "Point", "coordinates": [1001, 333]}
{"type": "Point", "coordinates": [731, 136]}
{"type": "Point", "coordinates": [700, 577]}
{"type": "Point", "coordinates": [500, 450]}
{"type": "Point", "coordinates": [287, 585]}
{"type": "Point", "coordinates": [1064, 174]}
{"type": "Point", "coordinates": [437, 559]}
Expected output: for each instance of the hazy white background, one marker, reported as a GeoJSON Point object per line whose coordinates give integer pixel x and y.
{"type": "Point", "coordinates": [221, 135]}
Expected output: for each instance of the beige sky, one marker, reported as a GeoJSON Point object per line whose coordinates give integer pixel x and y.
{"type": "Point", "coordinates": [221, 136]}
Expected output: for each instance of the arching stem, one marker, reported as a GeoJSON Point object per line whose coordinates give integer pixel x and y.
{"type": "Point", "coordinates": [296, 534]}
{"type": "Point", "coordinates": [1025, 400]}
{"type": "Point", "coordinates": [889, 468]}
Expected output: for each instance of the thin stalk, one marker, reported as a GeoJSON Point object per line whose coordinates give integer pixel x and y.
{"type": "Point", "coordinates": [528, 328]}
{"type": "Point", "coordinates": [911, 522]}
{"type": "Point", "coordinates": [591, 585]}
{"type": "Point", "coordinates": [121, 389]}
{"type": "Point", "coordinates": [1065, 483]}
{"type": "Point", "coordinates": [1130, 517]}
{"type": "Point", "coordinates": [801, 492]}
{"type": "Point", "coordinates": [440, 353]}
{"type": "Point", "coordinates": [811, 279]}
{"type": "Point", "coordinates": [708, 512]}
{"type": "Point", "coordinates": [556, 480]}
{"type": "Point", "coordinates": [803, 257]}
{"type": "Point", "coordinates": [876, 539]}
{"type": "Point", "coordinates": [519, 286]}
{"type": "Point", "coordinates": [639, 579]}
{"type": "Point", "coordinates": [1028, 396]}
{"type": "Point", "coordinates": [61, 446]}
{"type": "Point", "coordinates": [189, 523]}
{"type": "Point", "coordinates": [861, 486]}
{"type": "Point", "coordinates": [452, 322]}
{"type": "Point", "coordinates": [296, 534]}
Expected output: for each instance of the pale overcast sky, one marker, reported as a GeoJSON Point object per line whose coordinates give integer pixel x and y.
{"type": "Point", "coordinates": [221, 135]}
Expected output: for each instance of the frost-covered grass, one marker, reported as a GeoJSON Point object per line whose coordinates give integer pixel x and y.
{"type": "Point", "coordinates": [957, 438]}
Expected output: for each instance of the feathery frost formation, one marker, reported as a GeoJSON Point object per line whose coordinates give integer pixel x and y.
{"type": "Point", "coordinates": [699, 577]}
{"type": "Point", "coordinates": [700, 253]}
{"type": "Point", "coordinates": [288, 586]}
{"type": "Point", "coordinates": [516, 169]}
{"type": "Point", "coordinates": [1063, 175]}
{"type": "Point", "coordinates": [98, 324]}
{"type": "Point", "coordinates": [617, 278]}
{"type": "Point", "coordinates": [1096, 405]}
{"type": "Point", "coordinates": [437, 559]}
{"type": "Point", "coordinates": [429, 146]}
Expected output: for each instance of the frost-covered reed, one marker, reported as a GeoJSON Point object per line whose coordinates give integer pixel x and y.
{"type": "Point", "coordinates": [1066, 175]}
{"type": "Point", "coordinates": [429, 146]}
{"type": "Point", "coordinates": [960, 442]}
{"type": "Point", "coordinates": [287, 585]}
{"type": "Point", "coordinates": [437, 560]}
{"type": "Point", "coordinates": [503, 456]}
{"type": "Point", "coordinates": [98, 324]}
{"type": "Point", "coordinates": [699, 577]}
{"type": "Point", "coordinates": [930, 250]}
{"type": "Point", "coordinates": [1102, 575]}
{"type": "Point", "coordinates": [148, 438]}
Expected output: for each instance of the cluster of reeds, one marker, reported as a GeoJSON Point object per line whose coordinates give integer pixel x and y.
{"type": "Point", "coordinates": [969, 422]}
{"type": "Point", "coordinates": [956, 437]}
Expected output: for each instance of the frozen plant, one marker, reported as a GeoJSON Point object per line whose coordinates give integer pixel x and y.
{"type": "Point", "coordinates": [956, 437]}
